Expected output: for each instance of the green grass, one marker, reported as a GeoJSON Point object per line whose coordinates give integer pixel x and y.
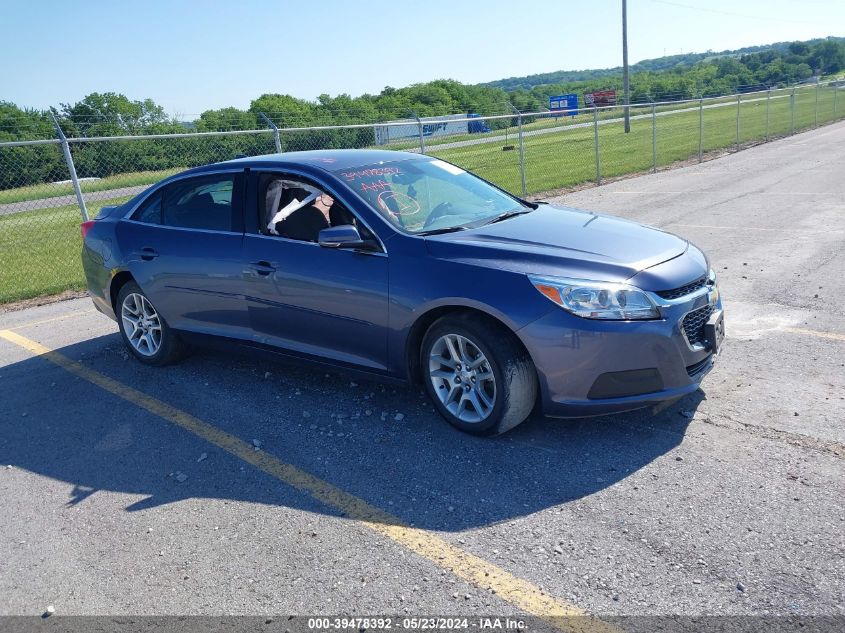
{"type": "Point", "coordinates": [567, 158]}
{"type": "Point", "coordinates": [544, 122]}
{"type": "Point", "coordinates": [39, 251]}
{"type": "Point", "coordinates": [50, 190]}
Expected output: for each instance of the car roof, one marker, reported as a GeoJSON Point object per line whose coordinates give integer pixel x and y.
{"type": "Point", "coordinates": [328, 160]}
{"type": "Point", "coordinates": [325, 159]}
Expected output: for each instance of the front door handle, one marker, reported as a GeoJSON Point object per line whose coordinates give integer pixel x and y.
{"type": "Point", "coordinates": [263, 268]}
{"type": "Point", "coordinates": [148, 254]}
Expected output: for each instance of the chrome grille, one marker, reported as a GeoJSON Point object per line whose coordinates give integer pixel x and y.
{"type": "Point", "coordinates": [694, 322]}
{"type": "Point", "coordinates": [683, 290]}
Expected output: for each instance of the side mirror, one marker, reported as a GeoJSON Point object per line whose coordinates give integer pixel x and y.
{"type": "Point", "coordinates": [344, 236]}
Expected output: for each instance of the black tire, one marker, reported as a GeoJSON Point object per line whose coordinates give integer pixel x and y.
{"type": "Point", "coordinates": [515, 377]}
{"type": "Point", "coordinates": [171, 348]}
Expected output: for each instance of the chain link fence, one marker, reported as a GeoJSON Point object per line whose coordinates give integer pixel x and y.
{"type": "Point", "coordinates": [48, 186]}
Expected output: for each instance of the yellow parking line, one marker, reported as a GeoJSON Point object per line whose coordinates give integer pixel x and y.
{"type": "Point", "coordinates": [800, 330]}
{"type": "Point", "coordinates": [51, 320]}
{"type": "Point", "coordinates": [481, 573]}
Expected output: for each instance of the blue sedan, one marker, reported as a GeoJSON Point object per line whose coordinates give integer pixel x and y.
{"type": "Point", "coordinates": [408, 267]}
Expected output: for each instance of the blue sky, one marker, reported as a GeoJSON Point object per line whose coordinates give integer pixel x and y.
{"type": "Point", "coordinates": [193, 56]}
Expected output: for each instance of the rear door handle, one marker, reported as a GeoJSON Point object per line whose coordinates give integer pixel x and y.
{"type": "Point", "coordinates": [148, 254]}
{"type": "Point", "coordinates": [263, 268]}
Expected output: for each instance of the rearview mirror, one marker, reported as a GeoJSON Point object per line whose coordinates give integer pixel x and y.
{"type": "Point", "coordinates": [344, 236]}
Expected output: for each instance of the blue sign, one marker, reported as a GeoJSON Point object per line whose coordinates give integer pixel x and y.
{"type": "Point", "coordinates": [561, 105]}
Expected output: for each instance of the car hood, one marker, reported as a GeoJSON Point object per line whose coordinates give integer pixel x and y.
{"type": "Point", "coordinates": [564, 242]}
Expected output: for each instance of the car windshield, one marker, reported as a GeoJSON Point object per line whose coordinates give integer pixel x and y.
{"type": "Point", "coordinates": [427, 195]}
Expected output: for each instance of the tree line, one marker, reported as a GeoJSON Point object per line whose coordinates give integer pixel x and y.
{"type": "Point", "coordinates": [665, 63]}
{"type": "Point", "coordinates": [110, 114]}
{"type": "Point", "coordinates": [697, 74]}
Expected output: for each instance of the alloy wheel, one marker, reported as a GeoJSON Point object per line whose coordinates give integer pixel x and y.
{"type": "Point", "coordinates": [141, 324]}
{"type": "Point", "coordinates": [462, 378]}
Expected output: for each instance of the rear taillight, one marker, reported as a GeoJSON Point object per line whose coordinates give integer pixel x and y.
{"type": "Point", "coordinates": [85, 227]}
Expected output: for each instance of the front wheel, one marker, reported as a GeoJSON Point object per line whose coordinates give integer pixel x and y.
{"type": "Point", "coordinates": [477, 374]}
{"type": "Point", "coordinates": [145, 332]}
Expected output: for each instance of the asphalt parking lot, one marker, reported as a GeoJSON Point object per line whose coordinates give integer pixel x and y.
{"type": "Point", "coordinates": [233, 485]}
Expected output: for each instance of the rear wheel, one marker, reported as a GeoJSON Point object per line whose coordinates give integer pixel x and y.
{"type": "Point", "coordinates": [477, 374]}
{"type": "Point", "coordinates": [145, 332]}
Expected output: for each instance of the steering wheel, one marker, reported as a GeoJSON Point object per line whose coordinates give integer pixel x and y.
{"type": "Point", "coordinates": [437, 212]}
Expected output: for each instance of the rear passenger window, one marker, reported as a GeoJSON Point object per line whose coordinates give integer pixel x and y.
{"type": "Point", "coordinates": [150, 211]}
{"type": "Point", "coordinates": [207, 202]}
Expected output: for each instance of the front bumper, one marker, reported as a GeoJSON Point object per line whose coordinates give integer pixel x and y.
{"type": "Point", "coordinates": [588, 367]}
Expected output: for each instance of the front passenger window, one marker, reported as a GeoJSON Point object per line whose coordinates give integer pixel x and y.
{"type": "Point", "coordinates": [299, 210]}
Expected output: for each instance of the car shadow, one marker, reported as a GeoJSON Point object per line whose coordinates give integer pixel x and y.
{"type": "Point", "coordinates": [412, 465]}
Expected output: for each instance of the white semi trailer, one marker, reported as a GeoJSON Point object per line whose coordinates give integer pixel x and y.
{"type": "Point", "coordinates": [407, 129]}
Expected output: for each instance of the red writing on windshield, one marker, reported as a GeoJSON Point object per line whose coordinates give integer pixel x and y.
{"type": "Point", "coordinates": [376, 185]}
{"type": "Point", "coordinates": [369, 173]}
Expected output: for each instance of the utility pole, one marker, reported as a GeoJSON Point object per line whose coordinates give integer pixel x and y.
{"type": "Point", "coordinates": [627, 96]}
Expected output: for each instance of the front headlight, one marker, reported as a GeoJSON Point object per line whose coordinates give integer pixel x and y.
{"type": "Point", "coordinates": [597, 299]}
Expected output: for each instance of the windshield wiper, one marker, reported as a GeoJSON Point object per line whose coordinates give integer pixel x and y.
{"type": "Point", "coordinates": [448, 229]}
{"type": "Point", "coordinates": [474, 225]}
{"type": "Point", "coordinates": [508, 214]}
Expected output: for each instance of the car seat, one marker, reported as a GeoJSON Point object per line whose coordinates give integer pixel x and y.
{"type": "Point", "coordinates": [303, 224]}
{"type": "Point", "coordinates": [339, 216]}
{"type": "Point", "coordinates": [201, 212]}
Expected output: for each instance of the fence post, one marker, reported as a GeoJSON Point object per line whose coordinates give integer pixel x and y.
{"type": "Point", "coordinates": [816, 121]}
{"type": "Point", "coordinates": [700, 127]}
{"type": "Point", "coordinates": [276, 136]}
{"type": "Point", "coordinates": [835, 90]}
{"type": "Point", "coordinates": [653, 138]}
{"type": "Point", "coordinates": [768, 98]}
{"type": "Point", "coordinates": [738, 100]}
{"type": "Point", "coordinates": [792, 111]}
{"type": "Point", "coordinates": [69, 160]}
{"type": "Point", "coordinates": [596, 142]}
{"type": "Point", "coordinates": [521, 150]}
{"type": "Point", "coordinates": [420, 128]}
